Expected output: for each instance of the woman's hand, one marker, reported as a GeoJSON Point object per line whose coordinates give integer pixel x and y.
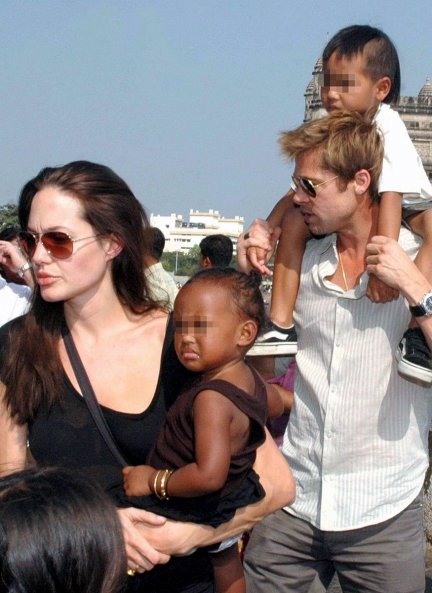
{"type": "Point", "coordinates": [141, 554]}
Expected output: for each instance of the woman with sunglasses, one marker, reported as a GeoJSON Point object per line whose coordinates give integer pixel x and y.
{"type": "Point", "coordinates": [85, 234]}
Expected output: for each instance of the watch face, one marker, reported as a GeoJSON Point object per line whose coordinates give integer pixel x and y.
{"type": "Point", "coordinates": [427, 303]}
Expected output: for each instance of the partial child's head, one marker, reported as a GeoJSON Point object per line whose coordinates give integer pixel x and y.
{"type": "Point", "coordinates": [360, 70]}
{"type": "Point", "coordinates": [216, 250]}
{"type": "Point", "coordinates": [217, 315]}
{"type": "Point", "coordinates": [58, 534]}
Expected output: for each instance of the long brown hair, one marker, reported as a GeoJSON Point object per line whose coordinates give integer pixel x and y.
{"type": "Point", "coordinates": [33, 373]}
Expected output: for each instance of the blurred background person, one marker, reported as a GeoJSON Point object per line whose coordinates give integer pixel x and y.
{"type": "Point", "coordinates": [216, 251]}
{"type": "Point", "coordinates": [161, 284]}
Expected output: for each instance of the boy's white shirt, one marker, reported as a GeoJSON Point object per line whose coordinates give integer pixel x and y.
{"type": "Point", "coordinates": [402, 170]}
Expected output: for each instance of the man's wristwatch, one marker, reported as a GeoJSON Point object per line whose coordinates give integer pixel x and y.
{"type": "Point", "coordinates": [23, 269]}
{"type": "Point", "coordinates": [424, 307]}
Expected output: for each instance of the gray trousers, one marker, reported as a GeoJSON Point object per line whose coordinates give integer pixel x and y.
{"type": "Point", "coordinates": [288, 555]}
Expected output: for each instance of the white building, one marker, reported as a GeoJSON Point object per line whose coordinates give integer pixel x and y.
{"type": "Point", "coordinates": [182, 236]}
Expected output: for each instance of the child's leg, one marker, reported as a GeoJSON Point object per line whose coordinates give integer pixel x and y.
{"type": "Point", "coordinates": [415, 360]}
{"type": "Point", "coordinates": [288, 260]}
{"type": "Point", "coordinates": [228, 571]}
{"type": "Point", "coordinates": [421, 223]}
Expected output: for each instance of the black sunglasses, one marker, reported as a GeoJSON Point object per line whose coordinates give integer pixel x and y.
{"type": "Point", "coordinates": [57, 244]}
{"type": "Point", "coordinates": [308, 186]}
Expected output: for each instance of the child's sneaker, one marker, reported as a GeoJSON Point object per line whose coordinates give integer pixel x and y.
{"type": "Point", "coordinates": [414, 356]}
{"type": "Point", "coordinates": [275, 341]}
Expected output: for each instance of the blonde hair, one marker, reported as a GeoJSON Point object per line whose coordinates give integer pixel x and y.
{"type": "Point", "coordinates": [348, 142]}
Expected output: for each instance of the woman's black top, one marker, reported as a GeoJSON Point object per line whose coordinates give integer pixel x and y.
{"type": "Point", "coordinates": [66, 436]}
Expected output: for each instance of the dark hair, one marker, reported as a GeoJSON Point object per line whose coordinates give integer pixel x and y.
{"type": "Point", "coordinates": [380, 53]}
{"type": "Point", "coordinates": [59, 533]}
{"type": "Point", "coordinates": [33, 369]}
{"type": "Point", "coordinates": [8, 233]}
{"type": "Point", "coordinates": [218, 248]}
{"type": "Point", "coordinates": [157, 242]}
{"type": "Point", "coordinates": [244, 289]}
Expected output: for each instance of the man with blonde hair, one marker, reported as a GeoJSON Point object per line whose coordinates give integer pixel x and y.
{"type": "Point", "coordinates": [357, 436]}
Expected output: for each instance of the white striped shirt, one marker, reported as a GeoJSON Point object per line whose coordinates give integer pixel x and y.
{"type": "Point", "coordinates": [357, 438]}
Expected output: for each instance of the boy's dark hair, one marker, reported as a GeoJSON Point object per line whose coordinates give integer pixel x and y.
{"type": "Point", "coordinates": [218, 248]}
{"type": "Point", "coordinates": [10, 232]}
{"type": "Point", "coordinates": [380, 53]}
{"type": "Point", "coordinates": [244, 288]}
{"type": "Point", "coordinates": [157, 242]}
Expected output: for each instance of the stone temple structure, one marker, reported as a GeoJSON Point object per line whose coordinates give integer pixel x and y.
{"type": "Point", "coordinates": [416, 112]}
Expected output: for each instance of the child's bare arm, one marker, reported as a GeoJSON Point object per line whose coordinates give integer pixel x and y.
{"type": "Point", "coordinates": [256, 245]}
{"type": "Point", "coordinates": [213, 414]}
{"type": "Point", "coordinates": [389, 222]}
{"type": "Point", "coordinates": [285, 396]}
{"type": "Point", "coordinates": [279, 400]}
{"type": "Point", "coordinates": [278, 212]}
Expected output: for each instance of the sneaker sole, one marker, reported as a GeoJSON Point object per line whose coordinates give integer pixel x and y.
{"type": "Point", "coordinates": [272, 350]}
{"type": "Point", "coordinates": [407, 369]}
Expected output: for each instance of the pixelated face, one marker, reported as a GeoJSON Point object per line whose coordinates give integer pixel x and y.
{"type": "Point", "coordinates": [193, 324]}
{"type": "Point", "coordinates": [346, 85]}
{"type": "Point", "coordinates": [207, 326]}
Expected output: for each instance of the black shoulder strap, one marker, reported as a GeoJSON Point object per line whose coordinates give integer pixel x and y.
{"type": "Point", "coordinates": [90, 398]}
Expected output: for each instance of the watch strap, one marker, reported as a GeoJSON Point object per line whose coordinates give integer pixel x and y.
{"type": "Point", "coordinates": [418, 310]}
{"type": "Point", "coordinates": [424, 306]}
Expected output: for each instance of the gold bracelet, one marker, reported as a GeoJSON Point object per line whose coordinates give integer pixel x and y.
{"type": "Point", "coordinates": [164, 482]}
{"type": "Point", "coordinates": [155, 492]}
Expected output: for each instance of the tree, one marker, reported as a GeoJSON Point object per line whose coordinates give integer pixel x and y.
{"type": "Point", "coordinates": [8, 215]}
{"type": "Point", "coordinates": [182, 264]}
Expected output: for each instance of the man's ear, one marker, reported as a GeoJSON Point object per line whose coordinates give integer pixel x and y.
{"type": "Point", "coordinates": [205, 262]}
{"type": "Point", "coordinates": [113, 245]}
{"type": "Point", "coordinates": [249, 330]}
{"type": "Point", "coordinates": [362, 181]}
{"type": "Point", "coordinates": [383, 87]}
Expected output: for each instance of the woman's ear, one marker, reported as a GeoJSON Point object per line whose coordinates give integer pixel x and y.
{"type": "Point", "coordinates": [113, 245]}
{"type": "Point", "coordinates": [249, 330]}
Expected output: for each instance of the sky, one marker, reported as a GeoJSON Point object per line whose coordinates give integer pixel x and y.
{"type": "Point", "coordinates": [185, 99]}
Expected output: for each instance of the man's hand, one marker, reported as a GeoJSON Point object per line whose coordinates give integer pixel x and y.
{"type": "Point", "coordinates": [255, 247]}
{"type": "Point", "coordinates": [387, 260]}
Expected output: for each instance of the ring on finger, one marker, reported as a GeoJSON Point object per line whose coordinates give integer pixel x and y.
{"type": "Point", "coordinates": [131, 572]}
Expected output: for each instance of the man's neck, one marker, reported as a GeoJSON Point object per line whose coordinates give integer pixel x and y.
{"type": "Point", "coordinates": [354, 237]}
